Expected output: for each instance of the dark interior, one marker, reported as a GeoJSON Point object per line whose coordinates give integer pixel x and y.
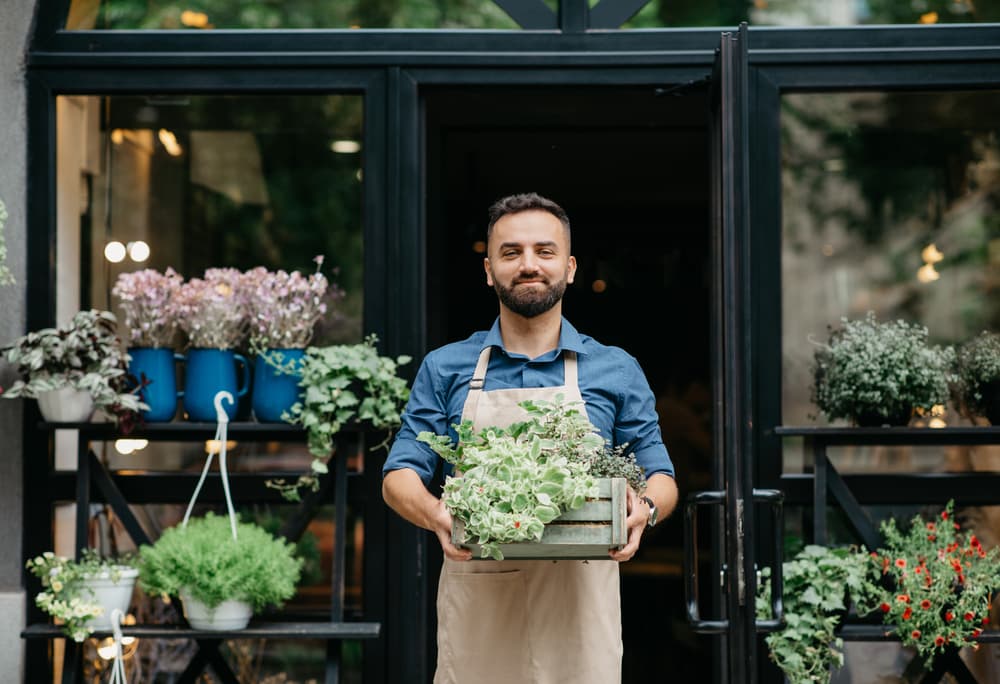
{"type": "Point", "coordinates": [631, 168]}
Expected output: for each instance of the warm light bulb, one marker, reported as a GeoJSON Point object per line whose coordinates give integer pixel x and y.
{"type": "Point", "coordinates": [345, 146]}
{"type": "Point", "coordinates": [114, 252]}
{"type": "Point", "coordinates": [169, 142]}
{"type": "Point", "coordinates": [128, 446]}
{"type": "Point", "coordinates": [931, 254]}
{"type": "Point", "coordinates": [599, 286]}
{"type": "Point", "coordinates": [138, 251]}
{"type": "Point", "coordinates": [927, 273]}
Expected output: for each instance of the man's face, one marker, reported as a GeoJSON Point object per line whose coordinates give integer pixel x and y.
{"type": "Point", "coordinates": [528, 262]}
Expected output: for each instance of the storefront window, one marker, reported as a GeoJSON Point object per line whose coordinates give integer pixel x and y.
{"type": "Point", "coordinates": [192, 182]}
{"type": "Point", "coordinates": [891, 204]}
{"type": "Point", "coordinates": [675, 13]}
{"type": "Point", "coordinates": [292, 14]}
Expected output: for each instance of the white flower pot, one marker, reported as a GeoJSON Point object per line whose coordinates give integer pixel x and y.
{"type": "Point", "coordinates": [225, 616]}
{"type": "Point", "coordinates": [110, 593]}
{"type": "Point", "coordinates": [66, 405]}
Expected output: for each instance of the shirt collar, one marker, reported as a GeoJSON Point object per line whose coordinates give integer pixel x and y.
{"type": "Point", "coordinates": [569, 339]}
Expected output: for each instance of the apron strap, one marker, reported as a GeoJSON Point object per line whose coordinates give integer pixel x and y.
{"type": "Point", "coordinates": [569, 369]}
{"type": "Point", "coordinates": [476, 384]}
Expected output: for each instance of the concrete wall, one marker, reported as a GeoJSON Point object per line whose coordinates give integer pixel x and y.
{"type": "Point", "coordinates": [15, 25]}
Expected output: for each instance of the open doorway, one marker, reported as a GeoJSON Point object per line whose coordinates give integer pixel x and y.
{"type": "Point", "coordinates": [631, 167]}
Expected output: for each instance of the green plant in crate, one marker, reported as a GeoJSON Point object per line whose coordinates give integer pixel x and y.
{"type": "Point", "coordinates": [819, 584]}
{"type": "Point", "coordinates": [204, 559]}
{"type": "Point", "coordinates": [342, 383]}
{"type": "Point", "coordinates": [878, 372]}
{"type": "Point", "coordinates": [510, 482]}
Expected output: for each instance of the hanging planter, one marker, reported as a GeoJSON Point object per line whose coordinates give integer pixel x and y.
{"type": "Point", "coordinates": [228, 615]}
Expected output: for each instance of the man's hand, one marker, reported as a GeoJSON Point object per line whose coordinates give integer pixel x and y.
{"type": "Point", "coordinates": [638, 517]}
{"type": "Point", "coordinates": [441, 522]}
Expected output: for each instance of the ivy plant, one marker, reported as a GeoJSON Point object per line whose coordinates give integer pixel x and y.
{"type": "Point", "coordinates": [510, 482]}
{"type": "Point", "coordinates": [819, 584]}
{"type": "Point", "coordinates": [343, 383]}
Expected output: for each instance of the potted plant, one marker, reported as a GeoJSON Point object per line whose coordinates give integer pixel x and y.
{"type": "Point", "coordinates": [510, 483]}
{"type": "Point", "coordinates": [220, 578]}
{"type": "Point", "coordinates": [977, 376]}
{"type": "Point", "coordinates": [343, 383]}
{"type": "Point", "coordinates": [147, 299]}
{"type": "Point", "coordinates": [877, 373]}
{"type": "Point", "coordinates": [82, 594]}
{"type": "Point", "coordinates": [73, 369]}
{"type": "Point", "coordinates": [212, 313]}
{"type": "Point", "coordinates": [283, 310]}
{"type": "Point", "coordinates": [820, 584]}
{"type": "Point", "coordinates": [937, 583]}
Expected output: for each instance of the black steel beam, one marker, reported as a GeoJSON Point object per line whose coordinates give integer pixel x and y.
{"type": "Point", "coordinates": [967, 488]}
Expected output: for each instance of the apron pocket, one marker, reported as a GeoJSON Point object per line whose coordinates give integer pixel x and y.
{"type": "Point", "coordinates": [482, 628]}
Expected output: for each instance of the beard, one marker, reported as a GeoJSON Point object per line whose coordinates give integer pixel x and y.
{"type": "Point", "coordinates": [530, 302]}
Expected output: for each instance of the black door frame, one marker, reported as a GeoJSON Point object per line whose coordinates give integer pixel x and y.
{"type": "Point", "coordinates": [390, 68]}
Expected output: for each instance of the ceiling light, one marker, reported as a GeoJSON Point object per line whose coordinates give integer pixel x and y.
{"type": "Point", "coordinates": [345, 146]}
{"type": "Point", "coordinates": [927, 274]}
{"type": "Point", "coordinates": [169, 142]}
{"type": "Point", "coordinates": [931, 254]}
{"type": "Point", "coordinates": [114, 252]}
{"type": "Point", "coordinates": [138, 251]}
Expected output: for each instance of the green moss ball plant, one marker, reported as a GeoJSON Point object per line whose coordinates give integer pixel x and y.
{"type": "Point", "coordinates": [201, 560]}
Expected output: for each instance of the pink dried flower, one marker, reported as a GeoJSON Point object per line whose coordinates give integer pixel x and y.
{"type": "Point", "coordinates": [213, 310]}
{"type": "Point", "coordinates": [285, 307]}
{"type": "Point", "coordinates": [148, 301]}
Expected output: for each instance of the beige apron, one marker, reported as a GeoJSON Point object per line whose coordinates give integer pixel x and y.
{"type": "Point", "coordinates": [526, 622]}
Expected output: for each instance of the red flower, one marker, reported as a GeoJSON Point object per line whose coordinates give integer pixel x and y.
{"type": "Point", "coordinates": [931, 537]}
{"type": "Point", "coordinates": [919, 569]}
{"type": "Point", "coordinates": [986, 620]}
{"type": "Point", "coordinates": [949, 616]}
{"type": "Point", "coordinates": [915, 634]}
{"type": "Point", "coordinates": [939, 641]}
{"type": "Point", "coordinates": [973, 541]}
{"type": "Point", "coordinates": [900, 562]}
{"type": "Point", "coordinates": [925, 604]}
{"type": "Point", "coordinates": [956, 526]}
{"type": "Point", "coordinates": [903, 598]}
{"type": "Point", "coordinates": [908, 613]}
{"type": "Point", "coordinates": [885, 607]}
{"type": "Point", "coordinates": [976, 632]}
{"type": "Point", "coordinates": [517, 524]}
{"type": "Point", "coordinates": [944, 515]}
{"type": "Point", "coordinates": [968, 616]}
{"type": "Point", "coordinates": [931, 526]}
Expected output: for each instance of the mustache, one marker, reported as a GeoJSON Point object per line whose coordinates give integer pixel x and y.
{"type": "Point", "coordinates": [529, 278]}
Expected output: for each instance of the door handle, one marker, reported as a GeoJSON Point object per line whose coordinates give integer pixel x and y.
{"type": "Point", "coordinates": [695, 499]}
{"type": "Point", "coordinates": [776, 498]}
{"type": "Point", "coordinates": [773, 497]}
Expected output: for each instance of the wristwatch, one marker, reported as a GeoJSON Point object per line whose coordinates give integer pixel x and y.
{"type": "Point", "coordinates": [652, 510]}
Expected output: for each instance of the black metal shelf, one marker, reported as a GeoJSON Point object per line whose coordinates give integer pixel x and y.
{"type": "Point", "coordinates": [850, 491]}
{"type": "Point", "coordinates": [255, 630]}
{"type": "Point", "coordinates": [92, 482]}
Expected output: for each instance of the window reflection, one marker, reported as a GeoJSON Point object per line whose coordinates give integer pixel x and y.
{"type": "Point", "coordinates": [290, 14]}
{"type": "Point", "coordinates": [890, 203]}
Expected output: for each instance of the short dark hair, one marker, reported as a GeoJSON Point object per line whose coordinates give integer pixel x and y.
{"type": "Point", "coordinates": [528, 201]}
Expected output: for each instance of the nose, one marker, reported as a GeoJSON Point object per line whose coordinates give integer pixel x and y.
{"type": "Point", "coordinates": [529, 264]}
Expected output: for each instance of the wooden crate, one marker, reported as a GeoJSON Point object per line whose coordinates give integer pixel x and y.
{"type": "Point", "coordinates": [587, 533]}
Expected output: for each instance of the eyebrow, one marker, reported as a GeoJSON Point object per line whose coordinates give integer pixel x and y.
{"type": "Point", "coordinates": [543, 243]}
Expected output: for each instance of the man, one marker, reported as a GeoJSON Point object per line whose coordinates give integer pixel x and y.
{"type": "Point", "coordinates": [529, 622]}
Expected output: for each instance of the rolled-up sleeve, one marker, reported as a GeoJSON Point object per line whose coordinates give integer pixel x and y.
{"type": "Point", "coordinates": [425, 410]}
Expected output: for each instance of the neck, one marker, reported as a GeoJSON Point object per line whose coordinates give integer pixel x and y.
{"type": "Point", "coordinates": [530, 336]}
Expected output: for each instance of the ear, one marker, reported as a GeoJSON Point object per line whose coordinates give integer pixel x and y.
{"type": "Point", "coordinates": [489, 271]}
{"type": "Point", "coordinates": [570, 269]}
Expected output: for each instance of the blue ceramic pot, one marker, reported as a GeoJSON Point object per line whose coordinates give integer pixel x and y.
{"type": "Point", "coordinates": [275, 392]}
{"type": "Point", "coordinates": [156, 365]}
{"type": "Point", "coordinates": [208, 372]}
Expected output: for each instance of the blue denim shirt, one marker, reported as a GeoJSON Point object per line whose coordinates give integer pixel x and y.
{"type": "Point", "coordinates": [619, 401]}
